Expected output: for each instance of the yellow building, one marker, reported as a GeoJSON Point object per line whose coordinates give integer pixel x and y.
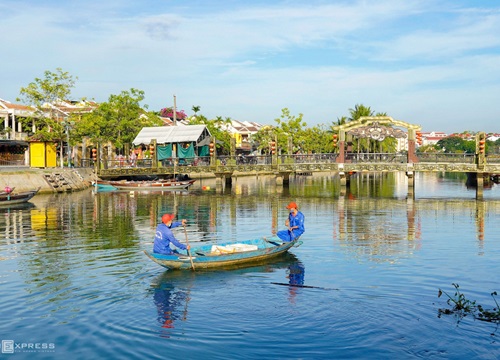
{"type": "Point", "coordinates": [43, 154]}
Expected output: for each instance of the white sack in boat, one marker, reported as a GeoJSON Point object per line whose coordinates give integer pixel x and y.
{"type": "Point", "coordinates": [233, 248]}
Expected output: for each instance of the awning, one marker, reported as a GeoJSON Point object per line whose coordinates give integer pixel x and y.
{"type": "Point", "coordinates": [14, 143]}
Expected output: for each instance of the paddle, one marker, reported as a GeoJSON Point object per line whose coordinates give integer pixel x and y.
{"type": "Point", "coordinates": [303, 286]}
{"type": "Point", "coordinates": [187, 243]}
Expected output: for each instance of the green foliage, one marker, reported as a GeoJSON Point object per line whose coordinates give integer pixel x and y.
{"type": "Point", "coordinates": [288, 126]}
{"type": "Point", "coordinates": [41, 94]}
{"type": "Point", "coordinates": [428, 149]}
{"type": "Point", "coordinates": [118, 120]}
{"type": "Point", "coordinates": [55, 86]}
{"type": "Point", "coordinates": [217, 128]}
{"type": "Point", "coordinates": [463, 306]}
{"type": "Point", "coordinates": [455, 144]}
{"type": "Point", "coordinates": [195, 109]}
{"type": "Point", "coordinates": [458, 301]}
{"type": "Point", "coordinates": [359, 111]}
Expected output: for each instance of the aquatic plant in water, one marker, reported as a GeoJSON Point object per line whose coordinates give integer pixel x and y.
{"type": "Point", "coordinates": [462, 306]}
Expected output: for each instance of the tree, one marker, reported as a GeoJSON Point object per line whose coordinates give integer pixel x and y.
{"type": "Point", "coordinates": [44, 94]}
{"type": "Point", "coordinates": [118, 120]}
{"type": "Point", "coordinates": [455, 144]}
{"type": "Point", "coordinates": [195, 109]}
{"type": "Point", "coordinates": [218, 129]}
{"type": "Point", "coordinates": [294, 127]}
{"type": "Point", "coordinates": [358, 111]}
{"type": "Point", "coordinates": [169, 113]}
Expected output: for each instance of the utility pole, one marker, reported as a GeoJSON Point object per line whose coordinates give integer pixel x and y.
{"type": "Point", "coordinates": [175, 112]}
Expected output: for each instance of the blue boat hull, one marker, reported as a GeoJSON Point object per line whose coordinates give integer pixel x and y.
{"type": "Point", "coordinates": [203, 258]}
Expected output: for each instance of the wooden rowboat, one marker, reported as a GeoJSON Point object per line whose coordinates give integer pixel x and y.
{"type": "Point", "coordinates": [151, 185]}
{"type": "Point", "coordinates": [7, 199]}
{"type": "Point", "coordinates": [225, 255]}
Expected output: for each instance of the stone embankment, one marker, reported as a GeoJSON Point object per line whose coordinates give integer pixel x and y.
{"type": "Point", "coordinates": [48, 180]}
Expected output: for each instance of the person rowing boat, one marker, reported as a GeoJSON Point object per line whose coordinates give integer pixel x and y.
{"type": "Point", "coordinates": [294, 223]}
{"type": "Point", "coordinates": [164, 236]}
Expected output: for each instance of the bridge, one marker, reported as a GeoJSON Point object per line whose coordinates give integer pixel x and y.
{"type": "Point", "coordinates": [346, 162]}
{"type": "Point", "coordinates": [282, 166]}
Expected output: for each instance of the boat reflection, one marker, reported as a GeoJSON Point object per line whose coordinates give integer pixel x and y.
{"type": "Point", "coordinates": [171, 290]}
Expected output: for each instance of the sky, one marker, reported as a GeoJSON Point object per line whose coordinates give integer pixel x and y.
{"type": "Point", "coordinates": [434, 63]}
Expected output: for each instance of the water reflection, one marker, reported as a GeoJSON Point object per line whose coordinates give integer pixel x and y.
{"type": "Point", "coordinates": [295, 275]}
{"type": "Point", "coordinates": [367, 221]}
{"type": "Point", "coordinates": [171, 291]}
{"type": "Point", "coordinates": [75, 260]}
{"type": "Point", "coordinates": [171, 296]}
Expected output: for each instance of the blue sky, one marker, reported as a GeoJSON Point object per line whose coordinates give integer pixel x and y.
{"type": "Point", "coordinates": [432, 63]}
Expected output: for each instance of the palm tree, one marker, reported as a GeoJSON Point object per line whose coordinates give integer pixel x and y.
{"type": "Point", "coordinates": [195, 109]}
{"type": "Point", "coordinates": [359, 111]}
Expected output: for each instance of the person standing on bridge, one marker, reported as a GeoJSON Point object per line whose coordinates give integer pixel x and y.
{"type": "Point", "coordinates": [164, 236]}
{"type": "Point", "coordinates": [294, 223]}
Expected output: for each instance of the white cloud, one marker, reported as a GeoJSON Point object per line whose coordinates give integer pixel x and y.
{"type": "Point", "coordinates": [413, 58]}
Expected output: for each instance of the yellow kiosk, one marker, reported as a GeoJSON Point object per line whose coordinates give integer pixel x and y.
{"type": "Point", "coordinates": [43, 154]}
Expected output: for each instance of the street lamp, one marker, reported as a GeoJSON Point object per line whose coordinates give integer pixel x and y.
{"type": "Point", "coordinates": [67, 126]}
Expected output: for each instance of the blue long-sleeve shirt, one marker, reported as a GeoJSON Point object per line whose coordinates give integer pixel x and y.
{"type": "Point", "coordinates": [164, 237]}
{"type": "Point", "coordinates": [297, 220]}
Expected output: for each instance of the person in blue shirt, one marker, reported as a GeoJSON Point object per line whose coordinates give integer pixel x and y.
{"type": "Point", "coordinates": [164, 236]}
{"type": "Point", "coordinates": [294, 223]}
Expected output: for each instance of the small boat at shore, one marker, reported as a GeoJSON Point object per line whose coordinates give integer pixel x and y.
{"type": "Point", "coordinates": [11, 198]}
{"type": "Point", "coordinates": [225, 255]}
{"type": "Point", "coordinates": [152, 185]}
{"type": "Point", "coordinates": [166, 184]}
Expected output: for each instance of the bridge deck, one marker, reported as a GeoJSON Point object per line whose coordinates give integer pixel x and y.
{"type": "Point", "coordinates": [283, 164]}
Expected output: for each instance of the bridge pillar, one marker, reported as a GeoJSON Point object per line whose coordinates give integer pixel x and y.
{"type": "Point", "coordinates": [411, 184]}
{"type": "Point", "coordinates": [345, 178]}
{"type": "Point", "coordinates": [479, 186]}
{"type": "Point", "coordinates": [412, 152]}
{"type": "Point", "coordinates": [282, 178]}
{"type": "Point", "coordinates": [223, 178]}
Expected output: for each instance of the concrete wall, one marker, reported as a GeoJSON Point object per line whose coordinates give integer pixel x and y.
{"type": "Point", "coordinates": [48, 180]}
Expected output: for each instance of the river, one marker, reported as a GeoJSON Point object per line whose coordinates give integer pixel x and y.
{"type": "Point", "coordinates": [76, 284]}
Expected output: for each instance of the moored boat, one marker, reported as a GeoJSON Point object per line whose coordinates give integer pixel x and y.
{"type": "Point", "coordinates": [11, 198]}
{"type": "Point", "coordinates": [225, 255]}
{"type": "Point", "coordinates": [152, 184]}
{"type": "Point", "coordinates": [103, 185]}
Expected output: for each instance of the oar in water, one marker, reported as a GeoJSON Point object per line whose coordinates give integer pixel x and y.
{"type": "Point", "coordinates": [302, 286]}
{"type": "Point", "coordinates": [187, 243]}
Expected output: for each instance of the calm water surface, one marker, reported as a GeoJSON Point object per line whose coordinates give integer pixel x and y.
{"type": "Point", "coordinates": [76, 284]}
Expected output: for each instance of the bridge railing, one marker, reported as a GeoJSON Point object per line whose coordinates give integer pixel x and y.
{"type": "Point", "coordinates": [309, 158]}
{"type": "Point", "coordinates": [244, 159]}
{"type": "Point", "coordinates": [376, 158]}
{"type": "Point", "coordinates": [447, 158]}
{"type": "Point", "coordinates": [289, 163]}
{"type": "Point", "coordinates": [493, 159]}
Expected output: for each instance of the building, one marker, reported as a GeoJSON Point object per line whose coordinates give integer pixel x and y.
{"type": "Point", "coordinates": [241, 132]}
{"type": "Point", "coordinates": [181, 141]}
{"type": "Point", "coordinates": [432, 138]}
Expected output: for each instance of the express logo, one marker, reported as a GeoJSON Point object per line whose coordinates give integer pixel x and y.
{"type": "Point", "coordinates": [9, 347]}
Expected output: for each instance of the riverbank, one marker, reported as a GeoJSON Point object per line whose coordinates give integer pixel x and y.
{"type": "Point", "coordinates": [48, 180]}
{"type": "Point", "coordinates": [55, 180]}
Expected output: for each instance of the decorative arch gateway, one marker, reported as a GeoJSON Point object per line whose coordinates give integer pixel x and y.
{"type": "Point", "coordinates": [370, 127]}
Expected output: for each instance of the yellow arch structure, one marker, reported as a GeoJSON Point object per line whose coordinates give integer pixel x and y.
{"type": "Point", "coordinates": [367, 121]}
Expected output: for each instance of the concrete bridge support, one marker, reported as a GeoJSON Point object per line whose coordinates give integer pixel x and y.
{"type": "Point", "coordinates": [479, 186]}
{"type": "Point", "coordinates": [223, 180]}
{"type": "Point", "coordinates": [283, 178]}
{"type": "Point", "coordinates": [345, 179]}
{"type": "Point", "coordinates": [411, 184]}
